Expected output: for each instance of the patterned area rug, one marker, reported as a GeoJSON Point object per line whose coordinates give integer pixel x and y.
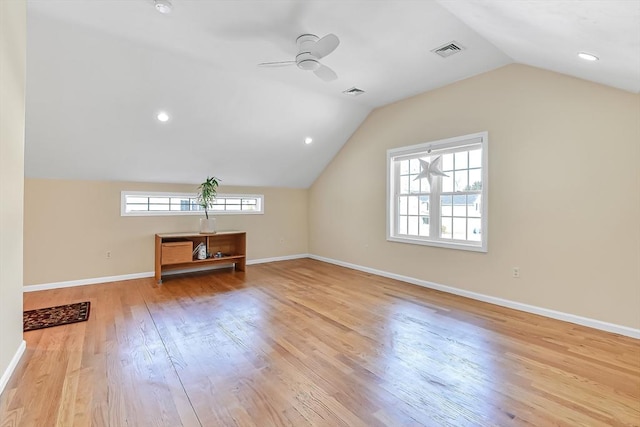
{"type": "Point", "coordinates": [55, 316]}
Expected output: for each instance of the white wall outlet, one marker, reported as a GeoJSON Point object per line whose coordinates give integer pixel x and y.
{"type": "Point", "coordinates": [282, 240]}
{"type": "Point", "coordinates": [516, 272]}
{"type": "Point", "coordinates": [108, 254]}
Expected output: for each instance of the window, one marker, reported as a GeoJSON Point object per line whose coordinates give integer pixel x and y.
{"type": "Point", "coordinates": [137, 203]}
{"type": "Point", "coordinates": [437, 193]}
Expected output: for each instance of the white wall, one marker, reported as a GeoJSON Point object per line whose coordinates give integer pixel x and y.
{"type": "Point", "coordinates": [12, 116]}
{"type": "Point", "coordinates": [564, 192]}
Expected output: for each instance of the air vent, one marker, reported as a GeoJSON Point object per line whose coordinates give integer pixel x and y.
{"type": "Point", "coordinates": [448, 49]}
{"type": "Point", "coordinates": [354, 91]}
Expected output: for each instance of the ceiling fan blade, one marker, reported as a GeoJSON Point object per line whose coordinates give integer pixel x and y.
{"type": "Point", "coordinates": [325, 73]}
{"type": "Point", "coordinates": [325, 46]}
{"type": "Point", "coordinates": [276, 64]}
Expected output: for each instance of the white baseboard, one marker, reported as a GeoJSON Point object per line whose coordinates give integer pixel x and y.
{"type": "Point", "coordinates": [106, 279]}
{"type": "Point", "coordinates": [84, 282]}
{"type": "Point", "coordinates": [278, 258]}
{"type": "Point", "coordinates": [566, 317]}
{"type": "Point", "coordinates": [6, 376]}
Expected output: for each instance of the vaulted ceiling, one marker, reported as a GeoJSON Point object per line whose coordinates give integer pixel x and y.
{"type": "Point", "coordinates": [99, 71]}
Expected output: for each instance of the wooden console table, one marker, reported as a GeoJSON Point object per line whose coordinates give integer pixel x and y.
{"type": "Point", "coordinates": [174, 251]}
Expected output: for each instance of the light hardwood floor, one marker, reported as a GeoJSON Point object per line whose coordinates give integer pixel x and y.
{"type": "Point", "coordinates": [302, 342]}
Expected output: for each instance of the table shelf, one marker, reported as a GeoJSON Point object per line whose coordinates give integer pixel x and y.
{"type": "Point", "coordinates": [174, 251]}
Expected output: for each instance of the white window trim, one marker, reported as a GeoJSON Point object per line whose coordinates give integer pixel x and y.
{"type": "Point", "coordinates": [395, 153]}
{"type": "Point", "coordinates": [125, 193]}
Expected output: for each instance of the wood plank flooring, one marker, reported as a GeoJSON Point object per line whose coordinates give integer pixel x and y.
{"type": "Point", "coordinates": [304, 343]}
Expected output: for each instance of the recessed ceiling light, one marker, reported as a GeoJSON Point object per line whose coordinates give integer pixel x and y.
{"type": "Point", "coordinates": [587, 56]}
{"type": "Point", "coordinates": [308, 140]}
{"type": "Point", "coordinates": [163, 117]}
{"type": "Point", "coordinates": [163, 6]}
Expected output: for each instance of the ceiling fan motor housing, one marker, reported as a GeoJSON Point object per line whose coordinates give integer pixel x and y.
{"type": "Point", "coordinates": [304, 59]}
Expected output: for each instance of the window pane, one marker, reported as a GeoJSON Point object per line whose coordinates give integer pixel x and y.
{"type": "Point", "coordinates": [402, 207]}
{"type": "Point", "coordinates": [132, 199]}
{"type": "Point", "coordinates": [404, 184]}
{"type": "Point", "coordinates": [461, 160]}
{"type": "Point", "coordinates": [461, 179]}
{"type": "Point", "coordinates": [413, 225]}
{"type": "Point", "coordinates": [460, 228]}
{"type": "Point", "coordinates": [447, 183]}
{"type": "Point", "coordinates": [459, 209]}
{"type": "Point", "coordinates": [474, 208]}
{"type": "Point", "coordinates": [424, 205]}
{"type": "Point", "coordinates": [475, 179]}
{"type": "Point", "coordinates": [475, 158]}
{"type": "Point", "coordinates": [235, 207]}
{"type": "Point", "coordinates": [249, 207]}
{"type": "Point", "coordinates": [424, 225]}
{"type": "Point", "coordinates": [217, 208]}
{"type": "Point", "coordinates": [402, 224]}
{"type": "Point", "coordinates": [159, 207]}
{"type": "Point", "coordinates": [445, 206]}
{"type": "Point", "coordinates": [446, 164]}
{"type": "Point", "coordinates": [179, 200]}
{"type": "Point", "coordinates": [414, 166]}
{"type": "Point", "coordinates": [404, 167]}
{"type": "Point", "coordinates": [424, 186]}
{"type": "Point", "coordinates": [474, 231]}
{"type": "Point", "coordinates": [137, 208]}
{"type": "Point", "coordinates": [414, 184]}
{"type": "Point", "coordinates": [414, 208]}
{"type": "Point", "coordinates": [445, 228]}
{"type": "Point", "coordinates": [459, 205]}
{"type": "Point", "coordinates": [164, 200]}
{"type": "Point", "coordinates": [231, 201]}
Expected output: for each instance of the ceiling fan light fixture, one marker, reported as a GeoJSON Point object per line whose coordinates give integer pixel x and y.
{"type": "Point", "coordinates": [163, 6]}
{"type": "Point", "coordinates": [308, 64]}
{"type": "Point", "coordinates": [588, 56]}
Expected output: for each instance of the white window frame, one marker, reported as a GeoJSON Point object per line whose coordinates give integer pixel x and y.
{"type": "Point", "coordinates": [124, 194]}
{"type": "Point", "coordinates": [393, 188]}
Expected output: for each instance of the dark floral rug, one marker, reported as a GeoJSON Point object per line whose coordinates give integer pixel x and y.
{"type": "Point", "coordinates": [55, 316]}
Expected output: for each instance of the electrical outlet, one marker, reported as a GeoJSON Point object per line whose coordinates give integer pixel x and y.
{"type": "Point", "coordinates": [516, 272]}
{"type": "Point", "coordinates": [108, 254]}
{"type": "Point", "coordinates": [282, 240]}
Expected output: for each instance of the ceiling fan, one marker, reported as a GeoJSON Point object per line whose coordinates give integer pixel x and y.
{"type": "Point", "coordinates": [310, 50]}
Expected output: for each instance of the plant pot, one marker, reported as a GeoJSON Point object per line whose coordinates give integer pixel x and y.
{"type": "Point", "coordinates": [207, 225]}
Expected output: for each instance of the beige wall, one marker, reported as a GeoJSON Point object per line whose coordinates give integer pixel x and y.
{"type": "Point", "coordinates": [12, 90]}
{"type": "Point", "coordinates": [564, 193]}
{"type": "Point", "coordinates": [70, 225]}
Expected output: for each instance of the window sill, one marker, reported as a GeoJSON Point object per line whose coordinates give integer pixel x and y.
{"type": "Point", "coordinates": [439, 244]}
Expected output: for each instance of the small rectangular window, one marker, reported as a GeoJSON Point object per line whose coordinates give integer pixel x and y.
{"type": "Point", "coordinates": [437, 193]}
{"type": "Point", "coordinates": [140, 203]}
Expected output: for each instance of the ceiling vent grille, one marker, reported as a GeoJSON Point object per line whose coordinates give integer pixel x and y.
{"type": "Point", "coordinates": [448, 49]}
{"type": "Point", "coordinates": [354, 91]}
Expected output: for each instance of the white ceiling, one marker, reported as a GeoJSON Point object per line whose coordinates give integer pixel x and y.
{"type": "Point", "coordinates": [98, 71]}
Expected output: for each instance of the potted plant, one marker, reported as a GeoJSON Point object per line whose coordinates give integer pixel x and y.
{"type": "Point", "coordinates": [206, 195]}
